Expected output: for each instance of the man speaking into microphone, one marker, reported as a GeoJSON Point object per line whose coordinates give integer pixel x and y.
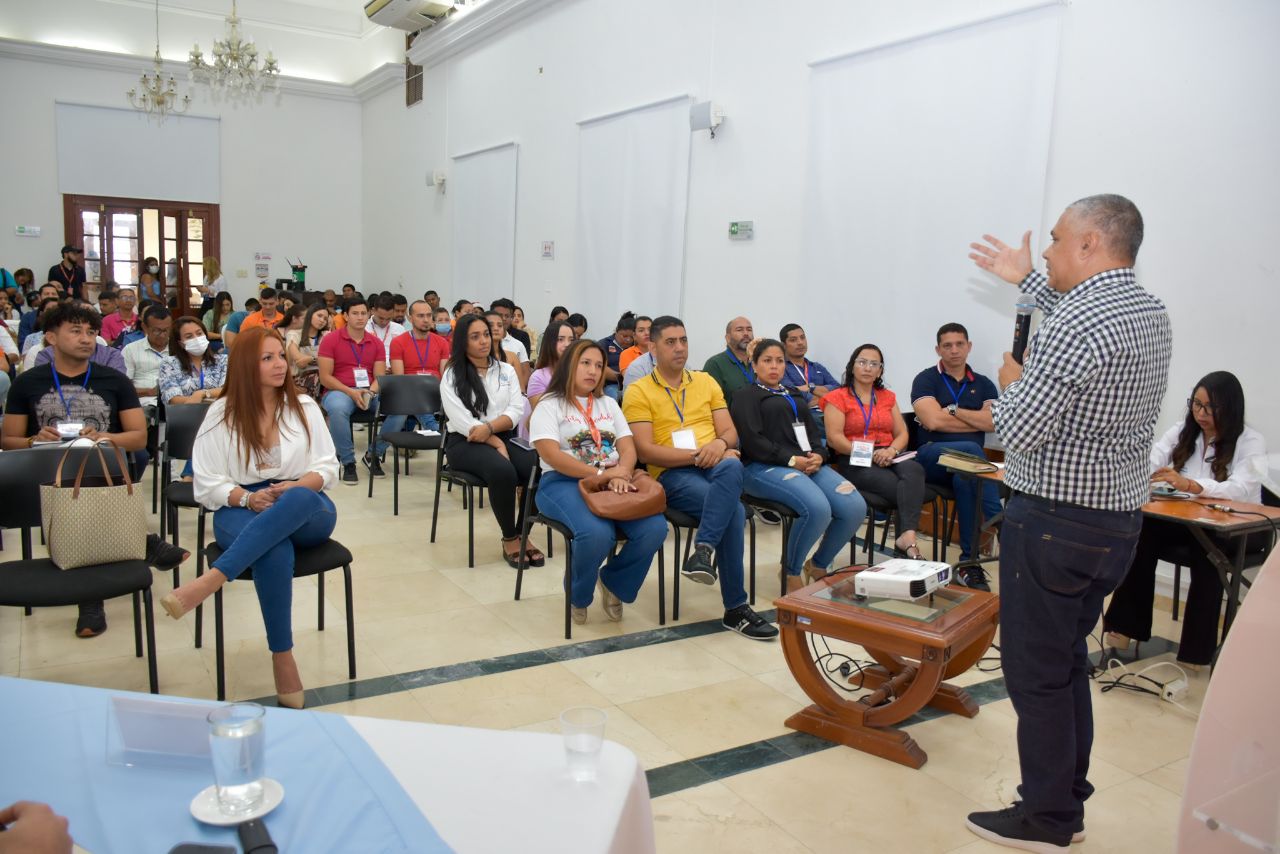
{"type": "Point", "coordinates": [1077, 421]}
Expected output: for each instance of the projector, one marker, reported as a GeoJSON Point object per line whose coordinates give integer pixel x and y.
{"type": "Point", "coordinates": [902, 579]}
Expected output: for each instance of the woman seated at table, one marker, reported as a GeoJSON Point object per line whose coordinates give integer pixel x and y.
{"type": "Point", "coordinates": [580, 432]}
{"type": "Point", "coordinates": [263, 459]}
{"type": "Point", "coordinates": [866, 430]}
{"type": "Point", "coordinates": [482, 402]}
{"type": "Point", "coordinates": [784, 461]}
{"type": "Point", "coordinates": [301, 347]}
{"type": "Point", "coordinates": [1211, 454]}
{"type": "Point", "coordinates": [557, 337]}
{"type": "Point", "coordinates": [497, 331]}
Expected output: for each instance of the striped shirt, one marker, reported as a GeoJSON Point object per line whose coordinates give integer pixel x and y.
{"type": "Point", "coordinates": [1079, 424]}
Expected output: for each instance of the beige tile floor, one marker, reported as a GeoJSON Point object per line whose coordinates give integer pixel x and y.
{"type": "Point", "coordinates": [419, 606]}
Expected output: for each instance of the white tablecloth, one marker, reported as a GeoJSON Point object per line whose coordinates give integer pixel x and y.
{"type": "Point", "coordinates": [494, 790]}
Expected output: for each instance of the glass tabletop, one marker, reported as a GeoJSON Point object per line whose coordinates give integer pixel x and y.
{"type": "Point", "coordinates": [926, 609]}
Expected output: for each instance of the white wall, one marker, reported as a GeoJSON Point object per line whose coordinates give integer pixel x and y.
{"type": "Point", "coordinates": [290, 174]}
{"type": "Point", "coordinates": [1170, 102]}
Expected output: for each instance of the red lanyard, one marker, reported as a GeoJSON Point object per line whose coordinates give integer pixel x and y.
{"type": "Point", "coordinates": [591, 424]}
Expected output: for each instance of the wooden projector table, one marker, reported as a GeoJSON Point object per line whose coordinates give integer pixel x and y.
{"type": "Point", "coordinates": [915, 644]}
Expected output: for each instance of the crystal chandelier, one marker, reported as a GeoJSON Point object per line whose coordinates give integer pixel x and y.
{"type": "Point", "coordinates": [158, 96]}
{"type": "Point", "coordinates": [235, 69]}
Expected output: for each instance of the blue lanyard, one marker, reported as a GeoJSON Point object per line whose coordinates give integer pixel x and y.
{"type": "Point", "coordinates": [785, 395]}
{"type": "Point", "coordinates": [749, 375]}
{"type": "Point", "coordinates": [683, 391]}
{"type": "Point", "coordinates": [866, 414]}
{"type": "Point", "coordinates": [202, 374]}
{"type": "Point", "coordinates": [58, 385]}
{"type": "Point", "coordinates": [955, 395]}
{"type": "Point", "coordinates": [359, 357]}
{"type": "Point", "coordinates": [422, 357]}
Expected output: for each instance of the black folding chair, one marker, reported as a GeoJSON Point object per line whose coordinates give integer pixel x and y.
{"type": "Point", "coordinates": [407, 395]}
{"type": "Point", "coordinates": [183, 423]}
{"type": "Point", "coordinates": [753, 506]}
{"type": "Point", "coordinates": [470, 485]}
{"type": "Point", "coordinates": [38, 582]}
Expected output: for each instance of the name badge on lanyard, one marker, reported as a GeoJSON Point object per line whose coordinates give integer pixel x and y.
{"type": "Point", "coordinates": [862, 451]}
{"type": "Point", "coordinates": [683, 439]}
{"type": "Point", "coordinates": [67, 428]}
{"type": "Point", "coordinates": [798, 426]}
{"type": "Point", "coordinates": [361, 373]}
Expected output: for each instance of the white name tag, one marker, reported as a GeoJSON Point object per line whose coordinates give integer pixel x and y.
{"type": "Point", "coordinates": [802, 436]}
{"type": "Point", "coordinates": [362, 377]}
{"type": "Point", "coordinates": [861, 454]}
{"type": "Point", "coordinates": [70, 429]}
{"type": "Point", "coordinates": [684, 440]}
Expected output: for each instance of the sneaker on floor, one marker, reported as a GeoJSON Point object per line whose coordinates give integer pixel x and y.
{"type": "Point", "coordinates": [769, 517]}
{"type": "Point", "coordinates": [349, 476]}
{"type": "Point", "coordinates": [749, 624]}
{"type": "Point", "coordinates": [92, 620]}
{"type": "Point", "coordinates": [974, 577]}
{"type": "Point", "coordinates": [373, 464]}
{"type": "Point", "coordinates": [164, 556]}
{"type": "Point", "coordinates": [700, 566]}
{"type": "Point", "coordinates": [1011, 828]}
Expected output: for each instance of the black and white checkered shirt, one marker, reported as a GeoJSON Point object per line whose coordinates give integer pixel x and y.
{"type": "Point", "coordinates": [1079, 424]}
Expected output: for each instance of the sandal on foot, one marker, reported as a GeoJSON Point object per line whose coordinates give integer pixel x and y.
{"type": "Point", "coordinates": [534, 557]}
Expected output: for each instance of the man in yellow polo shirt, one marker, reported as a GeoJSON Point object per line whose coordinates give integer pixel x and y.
{"type": "Point", "coordinates": [683, 432]}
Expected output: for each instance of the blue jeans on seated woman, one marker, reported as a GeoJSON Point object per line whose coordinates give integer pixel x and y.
{"type": "Point", "coordinates": [300, 519]}
{"type": "Point", "coordinates": [827, 505]}
{"type": "Point", "coordinates": [593, 540]}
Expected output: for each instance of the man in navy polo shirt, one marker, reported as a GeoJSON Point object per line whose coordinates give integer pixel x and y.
{"type": "Point", "coordinates": [953, 407]}
{"type": "Point", "coordinates": [624, 335]}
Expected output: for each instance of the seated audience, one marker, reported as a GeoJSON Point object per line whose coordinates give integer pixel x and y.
{"type": "Point", "coordinates": [268, 314]}
{"type": "Point", "coordinates": [35, 338]}
{"type": "Point", "coordinates": [497, 329]}
{"type": "Point", "coordinates": [401, 309]}
{"type": "Point", "coordinates": [350, 362]}
{"type": "Point", "coordinates": [382, 324]}
{"type": "Point", "coordinates": [301, 347]}
{"type": "Point", "coordinates": [1211, 454]}
{"type": "Point", "coordinates": [418, 352]}
{"type": "Point", "coordinates": [123, 319]}
{"type": "Point", "coordinates": [580, 434]}
{"type": "Point", "coordinates": [217, 316]}
{"type": "Point", "coordinates": [557, 338]}
{"type": "Point", "coordinates": [623, 337]}
{"type": "Point", "coordinates": [558, 313]}
{"type": "Point", "coordinates": [460, 308]}
{"type": "Point", "coordinates": [107, 301]}
{"type": "Point", "coordinates": [142, 358]}
{"type": "Point", "coordinates": [191, 373]}
{"type": "Point", "coordinates": [30, 321]}
{"type": "Point", "coordinates": [642, 365]}
{"type": "Point", "coordinates": [72, 390]}
{"type": "Point", "coordinates": [108, 357]}
{"type": "Point", "coordinates": [232, 328]}
{"type": "Point", "coordinates": [443, 323]}
{"type": "Point", "coordinates": [811, 379]}
{"type": "Point", "coordinates": [512, 339]}
{"type": "Point", "coordinates": [262, 462]}
{"type": "Point", "coordinates": [519, 325]}
{"type": "Point", "coordinates": [637, 349]}
{"type": "Point", "coordinates": [251, 305]}
{"type": "Point", "coordinates": [866, 431]}
{"type": "Point", "coordinates": [432, 299]}
{"type": "Point", "coordinates": [952, 403]}
{"type": "Point", "coordinates": [330, 300]}
{"type": "Point", "coordinates": [482, 402]}
{"type": "Point", "coordinates": [784, 461]}
{"type": "Point", "coordinates": [683, 432]}
{"type": "Point", "coordinates": [579, 324]}
{"type": "Point", "coordinates": [732, 368]}
{"type": "Point", "coordinates": [348, 291]}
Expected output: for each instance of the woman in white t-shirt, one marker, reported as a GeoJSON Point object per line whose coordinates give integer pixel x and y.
{"type": "Point", "coordinates": [1211, 454]}
{"type": "Point", "coordinates": [579, 432]}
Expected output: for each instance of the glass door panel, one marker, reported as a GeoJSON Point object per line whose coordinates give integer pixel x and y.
{"type": "Point", "coordinates": [91, 241]}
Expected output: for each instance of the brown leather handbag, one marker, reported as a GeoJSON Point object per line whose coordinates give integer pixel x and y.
{"type": "Point", "coordinates": [648, 499]}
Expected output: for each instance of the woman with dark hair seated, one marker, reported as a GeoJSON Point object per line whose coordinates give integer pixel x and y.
{"type": "Point", "coordinates": [557, 338]}
{"type": "Point", "coordinates": [866, 430]}
{"type": "Point", "coordinates": [497, 329]}
{"type": "Point", "coordinates": [558, 313]}
{"type": "Point", "coordinates": [784, 461]}
{"type": "Point", "coordinates": [482, 401]}
{"type": "Point", "coordinates": [580, 432]}
{"type": "Point", "coordinates": [1211, 454]}
{"type": "Point", "coordinates": [263, 458]}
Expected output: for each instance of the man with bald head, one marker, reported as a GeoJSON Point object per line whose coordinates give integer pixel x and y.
{"type": "Point", "coordinates": [1076, 421]}
{"type": "Point", "coordinates": [731, 367]}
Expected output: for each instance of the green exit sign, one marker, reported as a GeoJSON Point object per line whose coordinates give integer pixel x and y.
{"type": "Point", "coordinates": [741, 230]}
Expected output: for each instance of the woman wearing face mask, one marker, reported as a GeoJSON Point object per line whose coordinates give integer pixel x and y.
{"type": "Point", "coordinates": [557, 337]}
{"type": "Point", "coordinates": [190, 373]}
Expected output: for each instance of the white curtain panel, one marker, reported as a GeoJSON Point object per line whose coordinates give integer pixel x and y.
{"type": "Point", "coordinates": [483, 189]}
{"type": "Point", "coordinates": [633, 191]}
{"type": "Point", "coordinates": [916, 149]}
{"type": "Point", "coordinates": [103, 151]}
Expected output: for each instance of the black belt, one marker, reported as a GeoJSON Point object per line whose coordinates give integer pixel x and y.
{"type": "Point", "coordinates": [1053, 503]}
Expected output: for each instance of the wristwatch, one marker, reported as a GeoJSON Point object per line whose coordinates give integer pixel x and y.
{"type": "Point", "coordinates": [952, 409]}
{"type": "Point", "coordinates": [244, 498]}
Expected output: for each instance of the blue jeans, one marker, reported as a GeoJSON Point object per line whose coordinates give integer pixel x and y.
{"type": "Point", "coordinates": [300, 518]}
{"type": "Point", "coordinates": [614, 390]}
{"type": "Point", "coordinates": [828, 507]}
{"type": "Point", "coordinates": [966, 489]}
{"type": "Point", "coordinates": [593, 540]}
{"type": "Point", "coordinates": [397, 423]}
{"type": "Point", "coordinates": [715, 497]}
{"type": "Point", "coordinates": [339, 407]}
{"type": "Point", "coordinates": [1057, 563]}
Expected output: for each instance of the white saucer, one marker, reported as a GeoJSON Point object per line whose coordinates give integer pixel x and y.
{"type": "Point", "coordinates": [205, 805]}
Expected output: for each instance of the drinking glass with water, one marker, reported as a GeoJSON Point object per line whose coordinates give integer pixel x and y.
{"type": "Point", "coordinates": [583, 730]}
{"type": "Point", "coordinates": [237, 742]}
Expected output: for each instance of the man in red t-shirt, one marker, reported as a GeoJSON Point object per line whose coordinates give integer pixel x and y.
{"type": "Point", "coordinates": [350, 362]}
{"type": "Point", "coordinates": [418, 351]}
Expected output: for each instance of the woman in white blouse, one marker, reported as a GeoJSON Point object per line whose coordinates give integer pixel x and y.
{"type": "Point", "coordinates": [263, 459]}
{"type": "Point", "coordinates": [1212, 454]}
{"type": "Point", "coordinates": [483, 403]}
{"type": "Point", "coordinates": [580, 432]}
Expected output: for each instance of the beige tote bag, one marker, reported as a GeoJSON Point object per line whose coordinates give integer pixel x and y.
{"type": "Point", "coordinates": [93, 520]}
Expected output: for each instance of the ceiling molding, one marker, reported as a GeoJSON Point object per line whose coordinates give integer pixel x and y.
{"type": "Point", "coordinates": [459, 33]}
{"type": "Point", "coordinates": [284, 15]}
{"type": "Point", "coordinates": [379, 80]}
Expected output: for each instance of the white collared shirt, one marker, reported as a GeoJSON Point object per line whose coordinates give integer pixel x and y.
{"type": "Point", "coordinates": [501, 385]}
{"type": "Point", "coordinates": [385, 334]}
{"type": "Point", "coordinates": [1245, 475]}
{"type": "Point", "coordinates": [142, 364]}
{"type": "Point", "coordinates": [515, 346]}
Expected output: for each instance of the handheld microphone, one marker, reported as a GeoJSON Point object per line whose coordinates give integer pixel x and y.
{"type": "Point", "coordinates": [1022, 326]}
